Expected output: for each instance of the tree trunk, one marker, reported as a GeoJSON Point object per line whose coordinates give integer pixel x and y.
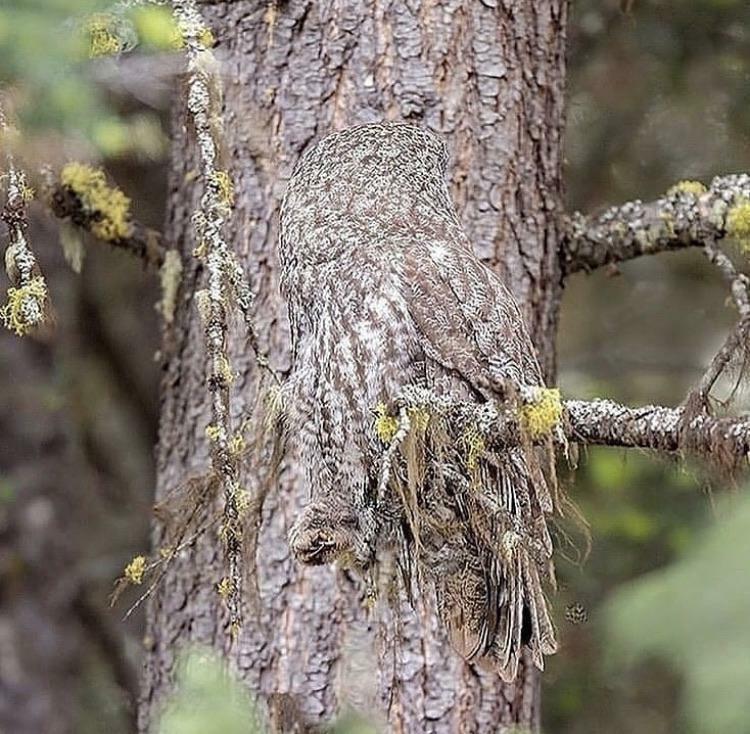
{"type": "Point", "coordinates": [487, 76]}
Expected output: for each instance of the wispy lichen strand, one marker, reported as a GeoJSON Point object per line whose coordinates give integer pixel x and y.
{"type": "Point", "coordinates": [226, 286]}
{"type": "Point", "coordinates": [26, 307]}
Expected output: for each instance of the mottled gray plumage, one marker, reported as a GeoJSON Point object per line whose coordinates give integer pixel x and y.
{"type": "Point", "coordinates": [384, 292]}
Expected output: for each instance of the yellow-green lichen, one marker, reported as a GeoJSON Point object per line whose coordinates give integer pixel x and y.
{"type": "Point", "coordinates": [102, 35]}
{"type": "Point", "coordinates": [696, 188]}
{"type": "Point", "coordinates": [206, 38]}
{"type": "Point", "coordinates": [738, 223]}
{"type": "Point", "coordinates": [26, 306]}
{"type": "Point", "coordinates": [237, 444]}
{"type": "Point", "coordinates": [242, 500]}
{"type": "Point", "coordinates": [27, 192]}
{"type": "Point", "coordinates": [474, 447]}
{"type": "Point", "coordinates": [224, 588]}
{"type": "Point", "coordinates": [540, 417]}
{"type": "Point", "coordinates": [225, 187]}
{"type": "Point", "coordinates": [419, 419]}
{"type": "Point", "coordinates": [135, 569]}
{"type": "Point", "coordinates": [386, 425]}
{"type": "Point", "coordinates": [108, 207]}
{"type": "Point", "coordinates": [225, 370]}
{"type": "Point", "coordinates": [213, 433]}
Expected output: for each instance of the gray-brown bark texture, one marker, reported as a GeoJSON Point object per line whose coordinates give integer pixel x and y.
{"type": "Point", "coordinates": [488, 77]}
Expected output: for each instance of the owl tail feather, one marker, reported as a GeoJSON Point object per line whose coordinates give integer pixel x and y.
{"type": "Point", "coordinates": [492, 629]}
{"type": "Point", "coordinates": [491, 599]}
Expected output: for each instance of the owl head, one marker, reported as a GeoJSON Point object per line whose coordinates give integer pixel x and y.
{"type": "Point", "coordinates": [327, 532]}
{"type": "Point", "coordinates": [356, 181]}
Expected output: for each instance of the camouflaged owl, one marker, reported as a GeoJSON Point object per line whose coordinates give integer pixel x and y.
{"type": "Point", "coordinates": [385, 295]}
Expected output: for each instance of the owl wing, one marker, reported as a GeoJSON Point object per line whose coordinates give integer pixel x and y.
{"type": "Point", "coordinates": [467, 319]}
{"type": "Point", "coordinates": [469, 323]}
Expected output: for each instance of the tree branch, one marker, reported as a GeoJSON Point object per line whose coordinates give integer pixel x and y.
{"type": "Point", "coordinates": [689, 215]}
{"type": "Point", "coordinates": [141, 241]}
{"type": "Point", "coordinates": [739, 287]}
{"type": "Point", "coordinates": [723, 441]}
{"type": "Point", "coordinates": [28, 300]}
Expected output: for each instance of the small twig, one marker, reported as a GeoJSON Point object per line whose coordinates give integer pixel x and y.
{"type": "Point", "coordinates": [737, 338]}
{"type": "Point", "coordinates": [165, 562]}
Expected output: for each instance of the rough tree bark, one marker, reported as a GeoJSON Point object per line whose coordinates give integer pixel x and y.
{"type": "Point", "coordinates": [489, 77]}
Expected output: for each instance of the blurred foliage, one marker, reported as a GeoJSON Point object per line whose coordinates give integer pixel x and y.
{"type": "Point", "coordinates": [45, 54]}
{"type": "Point", "coordinates": [208, 700]}
{"type": "Point", "coordinates": [694, 615]}
{"type": "Point", "coordinates": [643, 513]}
{"type": "Point", "coordinates": [656, 94]}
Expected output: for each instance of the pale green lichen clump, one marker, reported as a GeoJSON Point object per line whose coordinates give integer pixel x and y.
{"type": "Point", "coordinates": [102, 35]}
{"type": "Point", "coordinates": [135, 569]}
{"type": "Point", "coordinates": [738, 223]}
{"type": "Point", "coordinates": [225, 186]}
{"type": "Point", "coordinates": [386, 425]}
{"type": "Point", "coordinates": [475, 446]}
{"type": "Point", "coordinates": [696, 188]}
{"type": "Point", "coordinates": [540, 417]}
{"type": "Point", "coordinates": [107, 205]}
{"type": "Point", "coordinates": [26, 306]}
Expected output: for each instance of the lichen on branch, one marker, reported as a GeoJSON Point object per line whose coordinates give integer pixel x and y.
{"type": "Point", "coordinates": [107, 207]}
{"type": "Point", "coordinates": [28, 299]}
{"type": "Point", "coordinates": [83, 195]}
{"type": "Point", "coordinates": [723, 441]}
{"type": "Point", "coordinates": [688, 215]}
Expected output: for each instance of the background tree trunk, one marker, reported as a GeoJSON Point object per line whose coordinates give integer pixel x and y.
{"type": "Point", "coordinates": [489, 77]}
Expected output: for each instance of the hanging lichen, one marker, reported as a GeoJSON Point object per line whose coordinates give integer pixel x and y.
{"type": "Point", "coordinates": [27, 304]}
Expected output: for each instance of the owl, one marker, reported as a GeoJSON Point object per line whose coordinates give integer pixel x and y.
{"type": "Point", "coordinates": [386, 296]}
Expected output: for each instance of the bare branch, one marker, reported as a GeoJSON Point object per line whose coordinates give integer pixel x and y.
{"type": "Point", "coordinates": [689, 215]}
{"type": "Point", "coordinates": [723, 440]}
{"type": "Point", "coordinates": [739, 286]}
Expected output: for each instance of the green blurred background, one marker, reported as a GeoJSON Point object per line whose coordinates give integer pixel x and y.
{"type": "Point", "coordinates": [658, 92]}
